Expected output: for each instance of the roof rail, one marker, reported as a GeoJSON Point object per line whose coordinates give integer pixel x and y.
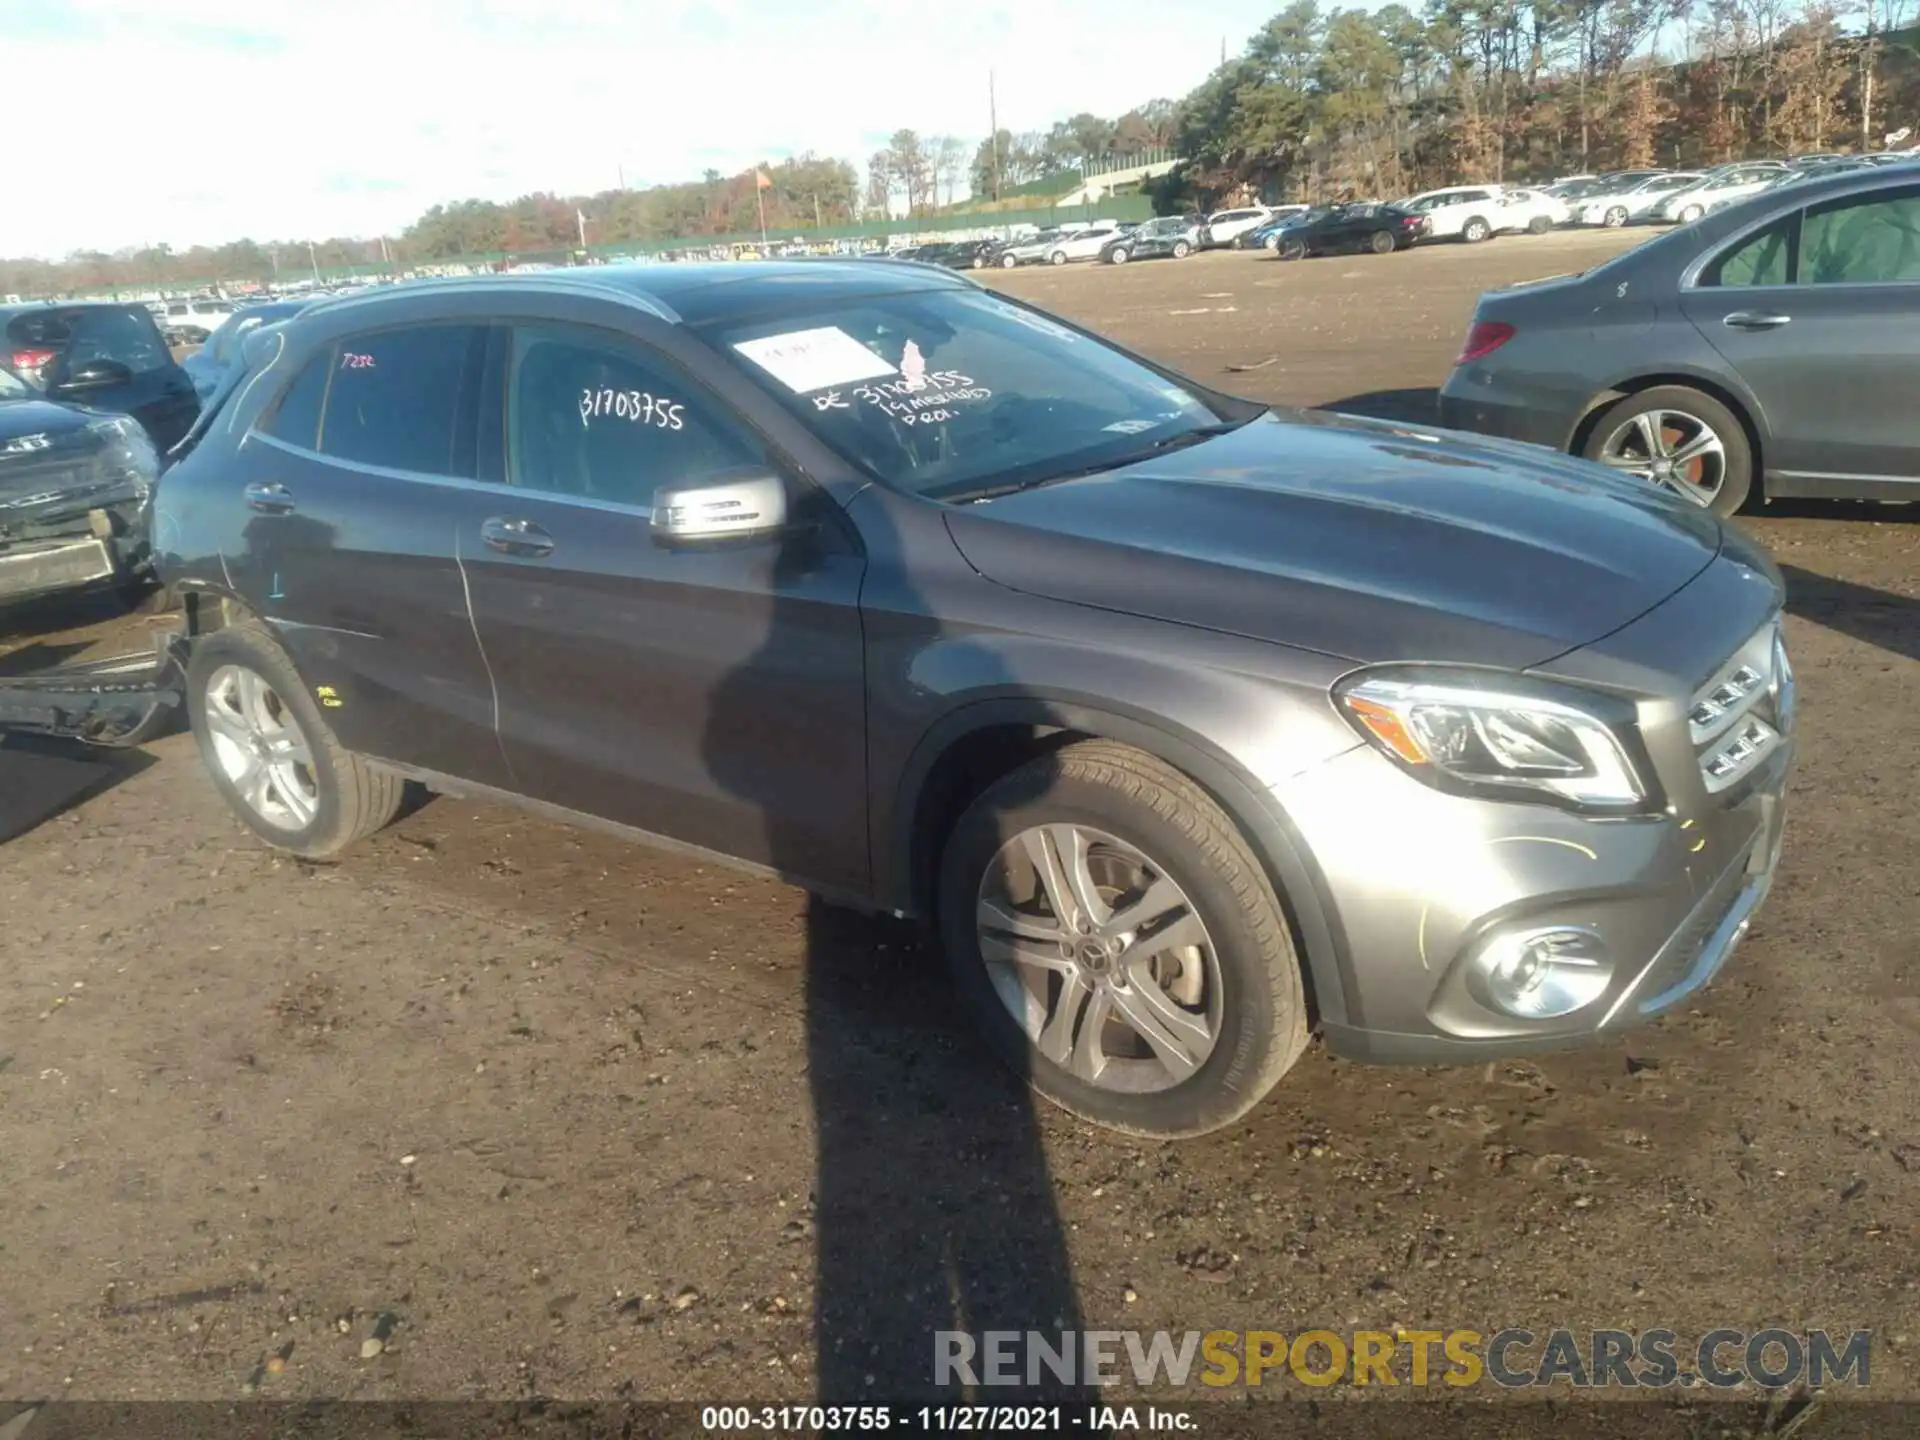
{"type": "Point", "coordinates": [534, 280]}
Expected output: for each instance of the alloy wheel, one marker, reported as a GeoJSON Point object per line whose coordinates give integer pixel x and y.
{"type": "Point", "coordinates": [1100, 957]}
{"type": "Point", "coordinates": [260, 748]}
{"type": "Point", "coordinates": [1671, 448]}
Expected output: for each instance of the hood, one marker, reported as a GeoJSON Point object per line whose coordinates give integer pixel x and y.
{"type": "Point", "coordinates": [1365, 540]}
{"type": "Point", "coordinates": [50, 466]}
{"type": "Point", "coordinates": [23, 423]}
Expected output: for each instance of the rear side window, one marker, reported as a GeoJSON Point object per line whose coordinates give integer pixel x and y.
{"type": "Point", "coordinates": [397, 397]}
{"type": "Point", "coordinates": [1765, 258]}
{"type": "Point", "coordinates": [128, 336]}
{"type": "Point", "coordinates": [1863, 240]}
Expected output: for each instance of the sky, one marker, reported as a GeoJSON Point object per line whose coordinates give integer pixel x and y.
{"type": "Point", "coordinates": [277, 119]}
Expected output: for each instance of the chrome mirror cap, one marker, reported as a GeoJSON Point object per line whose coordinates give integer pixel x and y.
{"type": "Point", "coordinates": [748, 503]}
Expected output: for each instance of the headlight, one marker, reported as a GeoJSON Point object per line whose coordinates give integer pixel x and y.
{"type": "Point", "coordinates": [1480, 733]}
{"type": "Point", "coordinates": [126, 450]}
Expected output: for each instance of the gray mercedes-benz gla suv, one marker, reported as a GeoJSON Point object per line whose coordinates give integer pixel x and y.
{"type": "Point", "coordinates": [1189, 726]}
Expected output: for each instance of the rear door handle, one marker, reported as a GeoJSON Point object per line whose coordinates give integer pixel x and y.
{"type": "Point", "coordinates": [269, 499]}
{"type": "Point", "coordinates": [512, 536]}
{"type": "Point", "coordinates": [1755, 320]}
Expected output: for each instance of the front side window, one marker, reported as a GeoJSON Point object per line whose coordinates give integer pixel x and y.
{"type": "Point", "coordinates": [1863, 240]}
{"type": "Point", "coordinates": [127, 336]}
{"type": "Point", "coordinates": [395, 398]}
{"type": "Point", "coordinates": [598, 417]}
{"type": "Point", "coordinates": [951, 393]}
{"type": "Point", "coordinates": [1765, 258]}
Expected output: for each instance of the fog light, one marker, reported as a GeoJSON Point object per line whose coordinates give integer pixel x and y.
{"type": "Point", "coordinates": [1540, 974]}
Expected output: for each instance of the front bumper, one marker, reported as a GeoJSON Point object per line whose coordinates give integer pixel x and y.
{"type": "Point", "coordinates": [105, 544]}
{"type": "Point", "coordinates": [1428, 889]}
{"type": "Point", "coordinates": [1675, 941]}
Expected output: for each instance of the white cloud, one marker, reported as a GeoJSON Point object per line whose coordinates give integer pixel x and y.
{"type": "Point", "coordinates": [199, 121]}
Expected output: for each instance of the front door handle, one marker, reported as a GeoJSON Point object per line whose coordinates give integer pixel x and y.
{"type": "Point", "coordinates": [512, 536]}
{"type": "Point", "coordinates": [269, 499]}
{"type": "Point", "coordinates": [1755, 320]}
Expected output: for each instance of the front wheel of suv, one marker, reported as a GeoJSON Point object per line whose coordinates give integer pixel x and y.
{"type": "Point", "coordinates": [270, 754]}
{"type": "Point", "coordinates": [1120, 944]}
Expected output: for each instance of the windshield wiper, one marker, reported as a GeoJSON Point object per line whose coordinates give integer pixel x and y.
{"type": "Point", "coordinates": [1178, 441]}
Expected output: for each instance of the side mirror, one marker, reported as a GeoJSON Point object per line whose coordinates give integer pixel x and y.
{"type": "Point", "coordinates": [97, 375]}
{"type": "Point", "coordinates": [748, 503]}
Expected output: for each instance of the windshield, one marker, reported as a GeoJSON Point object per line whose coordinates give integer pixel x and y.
{"type": "Point", "coordinates": [12, 387]}
{"type": "Point", "coordinates": [952, 394]}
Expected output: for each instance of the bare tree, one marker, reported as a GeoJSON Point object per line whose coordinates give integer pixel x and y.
{"type": "Point", "coordinates": [948, 162]}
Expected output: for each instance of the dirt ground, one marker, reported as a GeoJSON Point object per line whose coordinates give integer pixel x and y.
{"type": "Point", "coordinates": [554, 1116]}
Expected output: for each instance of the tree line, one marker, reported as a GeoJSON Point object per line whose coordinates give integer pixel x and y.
{"type": "Point", "coordinates": [1318, 104]}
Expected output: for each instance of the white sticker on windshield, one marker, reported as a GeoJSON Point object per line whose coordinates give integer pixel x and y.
{"type": "Point", "coordinates": [1130, 427]}
{"type": "Point", "coordinates": [807, 360]}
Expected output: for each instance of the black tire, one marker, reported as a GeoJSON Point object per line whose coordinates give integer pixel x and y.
{"type": "Point", "coordinates": [1291, 250]}
{"type": "Point", "coordinates": [356, 797]}
{"type": "Point", "coordinates": [1539, 225]}
{"type": "Point", "coordinates": [1615, 217]}
{"type": "Point", "coordinates": [1007, 262]}
{"type": "Point", "coordinates": [1381, 242]}
{"type": "Point", "coordinates": [1475, 230]}
{"type": "Point", "coordinates": [1058, 257]}
{"type": "Point", "coordinates": [1738, 485]}
{"type": "Point", "coordinates": [1181, 249]}
{"type": "Point", "coordinates": [1118, 256]}
{"type": "Point", "coordinates": [1144, 803]}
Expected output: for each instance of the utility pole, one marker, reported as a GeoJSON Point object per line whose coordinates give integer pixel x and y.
{"type": "Point", "coordinates": [313, 259]}
{"type": "Point", "coordinates": [581, 216]}
{"type": "Point", "coordinates": [993, 129]}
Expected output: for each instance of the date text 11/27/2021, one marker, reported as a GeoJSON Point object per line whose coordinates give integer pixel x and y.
{"type": "Point", "coordinates": [982, 1419]}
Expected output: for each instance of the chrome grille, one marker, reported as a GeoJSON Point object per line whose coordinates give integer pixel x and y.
{"type": "Point", "coordinates": [1744, 713]}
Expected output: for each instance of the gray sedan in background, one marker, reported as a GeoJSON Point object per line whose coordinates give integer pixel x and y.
{"type": "Point", "coordinates": [1770, 350]}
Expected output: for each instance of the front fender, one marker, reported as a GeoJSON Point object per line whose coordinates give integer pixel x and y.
{"type": "Point", "coordinates": [1234, 733]}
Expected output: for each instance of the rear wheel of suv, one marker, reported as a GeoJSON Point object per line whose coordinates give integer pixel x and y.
{"type": "Point", "coordinates": [1120, 944]}
{"type": "Point", "coordinates": [1678, 437]}
{"type": "Point", "coordinates": [1475, 230]}
{"type": "Point", "coordinates": [1539, 225]}
{"type": "Point", "coordinates": [271, 755]}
